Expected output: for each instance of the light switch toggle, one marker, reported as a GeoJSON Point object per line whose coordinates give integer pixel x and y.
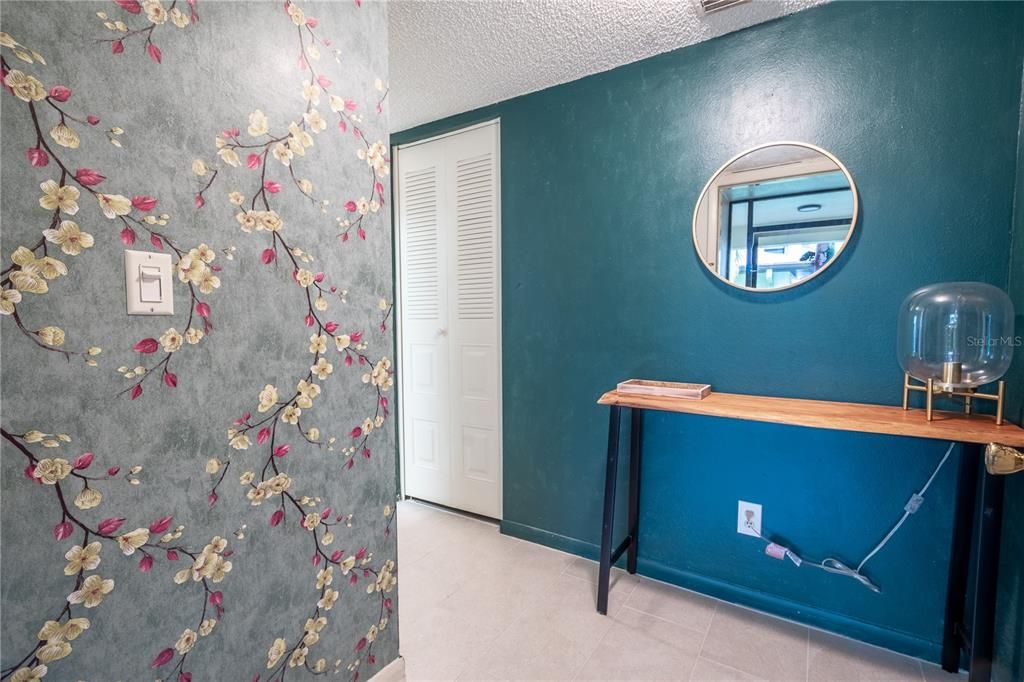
{"type": "Point", "coordinates": [150, 289]}
{"type": "Point", "coordinates": [149, 284]}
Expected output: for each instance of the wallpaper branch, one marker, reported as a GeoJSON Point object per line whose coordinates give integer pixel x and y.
{"type": "Point", "coordinates": [145, 558]}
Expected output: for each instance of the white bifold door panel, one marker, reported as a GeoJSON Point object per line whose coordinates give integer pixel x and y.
{"type": "Point", "coordinates": [450, 325]}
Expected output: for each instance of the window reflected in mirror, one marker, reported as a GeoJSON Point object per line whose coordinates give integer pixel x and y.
{"type": "Point", "coordinates": [775, 217]}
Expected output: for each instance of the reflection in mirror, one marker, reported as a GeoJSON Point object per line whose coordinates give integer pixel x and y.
{"type": "Point", "coordinates": [775, 216]}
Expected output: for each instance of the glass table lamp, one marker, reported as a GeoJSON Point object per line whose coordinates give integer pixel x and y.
{"type": "Point", "coordinates": [954, 338]}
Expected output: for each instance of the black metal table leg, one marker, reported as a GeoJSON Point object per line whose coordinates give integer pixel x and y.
{"type": "Point", "coordinates": [959, 557]}
{"type": "Point", "coordinates": [635, 446]}
{"type": "Point", "coordinates": [604, 572]}
{"type": "Point", "coordinates": [986, 571]}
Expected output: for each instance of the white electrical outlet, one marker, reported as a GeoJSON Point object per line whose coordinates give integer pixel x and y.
{"type": "Point", "coordinates": [749, 512]}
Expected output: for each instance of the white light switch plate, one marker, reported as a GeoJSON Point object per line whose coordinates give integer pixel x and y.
{"type": "Point", "coordinates": [149, 283]}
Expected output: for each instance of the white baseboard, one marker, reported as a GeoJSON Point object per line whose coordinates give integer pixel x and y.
{"type": "Point", "coordinates": [392, 672]}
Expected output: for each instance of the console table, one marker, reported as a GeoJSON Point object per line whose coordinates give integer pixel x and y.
{"type": "Point", "coordinates": [982, 499]}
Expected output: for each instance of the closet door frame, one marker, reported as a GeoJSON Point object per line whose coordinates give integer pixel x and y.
{"type": "Point", "coordinates": [399, 286]}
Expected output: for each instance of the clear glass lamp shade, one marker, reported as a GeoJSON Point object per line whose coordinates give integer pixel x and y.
{"type": "Point", "coordinates": [958, 333]}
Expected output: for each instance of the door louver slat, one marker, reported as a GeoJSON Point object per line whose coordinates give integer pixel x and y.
{"type": "Point", "coordinates": [419, 203]}
{"type": "Point", "coordinates": [475, 238]}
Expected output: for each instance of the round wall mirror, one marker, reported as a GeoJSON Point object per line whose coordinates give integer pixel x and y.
{"type": "Point", "coordinates": [775, 216]}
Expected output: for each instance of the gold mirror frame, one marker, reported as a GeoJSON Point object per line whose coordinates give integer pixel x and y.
{"type": "Point", "coordinates": [807, 145]}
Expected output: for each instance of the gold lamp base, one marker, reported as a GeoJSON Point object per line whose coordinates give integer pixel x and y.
{"type": "Point", "coordinates": [931, 389]}
{"type": "Point", "coordinates": [1002, 459]}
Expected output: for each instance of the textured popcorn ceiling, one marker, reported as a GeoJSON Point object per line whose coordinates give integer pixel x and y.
{"type": "Point", "coordinates": [450, 56]}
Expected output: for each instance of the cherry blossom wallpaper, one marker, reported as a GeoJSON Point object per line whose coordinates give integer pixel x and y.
{"type": "Point", "coordinates": [207, 495]}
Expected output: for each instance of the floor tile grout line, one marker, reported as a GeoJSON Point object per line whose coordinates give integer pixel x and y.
{"type": "Point", "coordinates": [726, 666]}
{"type": "Point", "coordinates": [663, 619]}
{"type": "Point", "coordinates": [807, 656]}
{"type": "Point", "coordinates": [703, 641]}
{"type": "Point", "coordinates": [581, 668]}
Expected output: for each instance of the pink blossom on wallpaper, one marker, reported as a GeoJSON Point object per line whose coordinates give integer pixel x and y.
{"type": "Point", "coordinates": [268, 256]}
{"type": "Point", "coordinates": [272, 187]}
{"type": "Point", "coordinates": [127, 236]}
{"type": "Point", "coordinates": [154, 52]}
{"type": "Point", "coordinates": [89, 177]}
{"type": "Point", "coordinates": [282, 450]}
{"type": "Point", "coordinates": [147, 345]}
{"type": "Point", "coordinates": [276, 517]}
{"type": "Point", "coordinates": [60, 93]}
{"type": "Point", "coordinates": [144, 203]}
{"type": "Point", "coordinates": [202, 309]}
{"type": "Point", "coordinates": [37, 157]}
{"type": "Point", "coordinates": [146, 563]}
{"type": "Point", "coordinates": [155, 240]}
{"type": "Point", "coordinates": [324, 81]}
{"type": "Point", "coordinates": [131, 6]}
{"type": "Point", "coordinates": [110, 526]}
{"type": "Point", "coordinates": [83, 461]}
{"type": "Point", "coordinates": [92, 120]}
{"type": "Point", "coordinates": [62, 530]}
{"type": "Point", "coordinates": [253, 161]}
{"type": "Point", "coordinates": [162, 658]}
{"type": "Point", "coordinates": [136, 391]}
{"type": "Point", "coordinates": [170, 379]}
{"type": "Point", "coordinates": [161, 525]}
{"type": "Point", "coordinates": [113, 471]}
{"type": "Point", "coordinates": [117, 47]}
{"type": "Point", "coordinates": [263, 436]}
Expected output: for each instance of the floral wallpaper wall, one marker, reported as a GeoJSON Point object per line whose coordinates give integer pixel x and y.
{"type": "Point", "coordinates": [207, 495]}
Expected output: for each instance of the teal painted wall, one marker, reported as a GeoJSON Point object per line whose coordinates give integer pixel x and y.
{"type": "Point", "coordinates": [601, 283]}
{"type": "Point", "coordinates": [1010, 612]}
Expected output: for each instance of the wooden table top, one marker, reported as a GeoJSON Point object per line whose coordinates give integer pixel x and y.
{"type": "Point", "coordinates": [822, 414]}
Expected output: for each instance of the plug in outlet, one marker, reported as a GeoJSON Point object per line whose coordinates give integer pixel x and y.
{"type": "Point", "coordinates": [748, 519]}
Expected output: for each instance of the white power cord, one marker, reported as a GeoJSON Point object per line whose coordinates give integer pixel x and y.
{"type": "Point", "coordinates": [833, 565]}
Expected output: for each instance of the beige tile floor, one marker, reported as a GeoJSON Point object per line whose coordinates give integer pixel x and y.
{"type": "Point", "coordinates": [478, 605]}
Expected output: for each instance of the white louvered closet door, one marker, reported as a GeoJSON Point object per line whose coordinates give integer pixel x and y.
{"type": "Point", "coordinates": [450, 370]}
